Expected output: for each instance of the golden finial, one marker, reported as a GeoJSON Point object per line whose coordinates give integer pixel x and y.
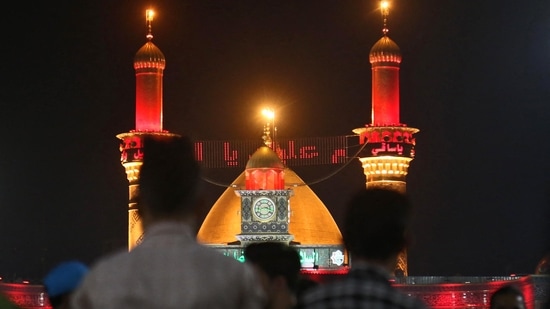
{"type": "Point", "coordinates": [385, 9]}
{"type": "Point", "coordinates": [148, 20]}
{"type": "Point", "coordinates": [269, 137]}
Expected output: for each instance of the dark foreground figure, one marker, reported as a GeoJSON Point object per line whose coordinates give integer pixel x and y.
{"type": "Point", "coordinates": [374, 232]}
{"type": "Point", "coordinates": [169, 269]}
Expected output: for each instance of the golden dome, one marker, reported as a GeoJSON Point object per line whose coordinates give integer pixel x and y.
{"type": "Point", "coordinates": [149, 56]}
{"type": "Point", "coordinates": [310, 221]}
{"type": "Point", "coordinates": [264, 157]}
{"type": "Point", "coordinates": [385, 50]}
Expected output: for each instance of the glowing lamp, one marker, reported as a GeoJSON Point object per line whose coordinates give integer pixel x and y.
{"type": "Point", "coordinates": [385, 7]}
{"type": "Point", "coordinates": [149, 14]}
{"type": "Point", "coordinates": [269, 113]}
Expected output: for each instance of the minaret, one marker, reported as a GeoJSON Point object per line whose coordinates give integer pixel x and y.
{"type": "Point", "coordinates": [149, 63]}
{"type": "Point", "coordinates": [390, 143]}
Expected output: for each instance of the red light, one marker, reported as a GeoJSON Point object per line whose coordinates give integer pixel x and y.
{"type": "Point", "coordinates": [198, 152]}
{"type": "Point", "coordinates": [385, 95]}
{"type": "Point", "coordinates": [229, 155]}
{"type": "Point", "coordinates": [149, 101]}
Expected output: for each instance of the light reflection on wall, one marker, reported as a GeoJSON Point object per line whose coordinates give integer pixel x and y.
{"type": "Point", "coordinates": [436, 292]}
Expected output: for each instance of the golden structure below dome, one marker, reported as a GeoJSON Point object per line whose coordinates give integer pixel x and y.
{"type": "Point", "coordinates": [310, 221]}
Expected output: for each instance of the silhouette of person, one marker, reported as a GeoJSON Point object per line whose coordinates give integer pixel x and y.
{"type": "Point", "coordinates": [507, 297]}
{"type": "Point", "coordinates": [169, 269]}
{"type": "Point", "coordinates": [374, 232]}
{"type": "Point", "coordinates": [62, 280]}
{"type": "Point", "coordinates": [279, 267]}
{"type": "Point", "coordinates": [304, 284]}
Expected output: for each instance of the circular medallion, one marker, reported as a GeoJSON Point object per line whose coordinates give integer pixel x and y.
{"type": "Point", "coordinates": [264, 209]}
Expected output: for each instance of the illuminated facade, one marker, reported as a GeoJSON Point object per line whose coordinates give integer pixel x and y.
{"type": "Point", "coordinates": [436, 292]}
{"type": "Point", "coordinates": [389, 143]}
{"type": "Point", "coordinates": [269, 202]}
{"type": "Point", "coordinates": [305, 223]}
{"type": "Point", "coordinates": [149, 64]}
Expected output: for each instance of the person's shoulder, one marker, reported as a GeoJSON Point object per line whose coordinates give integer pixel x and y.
{"type": "Point", "coordinates": [417, 303]}
{"type": "Point", "coordinates": [110, 259]}
{"type": "Point", "coordinates": [321, 293]}
{"type": "Point", "coordinates": [403, 300]}
{"type": "Point", "coordinates": [100, 280]}
{"type": "Point", "coordinates": [351, 289]}
{"type": "Point", "coordinates": [107, 268]}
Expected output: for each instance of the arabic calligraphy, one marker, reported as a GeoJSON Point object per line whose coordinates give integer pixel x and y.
{"type": "Point", "coordinates": [387, 147]}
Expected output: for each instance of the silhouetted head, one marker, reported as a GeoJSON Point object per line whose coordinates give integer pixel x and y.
{"type": "Point", "coordinates": [169, 177]}
{"type": "Point", "coordinates": [279, 268]}
{"type": "Point", "coordinates": [62, 280]}
{"type": "Point", "coordinates": [275, 259]}
{"type": "Point", "coordinates": [375, 224]}
{"type": "Point", "coordinates": [508, 297]}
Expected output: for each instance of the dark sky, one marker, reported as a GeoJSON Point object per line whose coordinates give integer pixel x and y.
{"type": "Point", "coordinates": [475, 79]}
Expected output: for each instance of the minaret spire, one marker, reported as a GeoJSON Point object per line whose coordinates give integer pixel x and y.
{"type": "Point", "coordinates": [385, 10]}
{"type": "Point", "coordinates": [270, 129]}
{"type": "Point", "coordinates": [149, 14]}
{"type": "Point", "coordinates": [268, 141]}
{"type": "Point", "coordinates": [390, 144]}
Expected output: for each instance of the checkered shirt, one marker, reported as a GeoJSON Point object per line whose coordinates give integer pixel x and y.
{"type": "Point", "coordinates": [365, 286]}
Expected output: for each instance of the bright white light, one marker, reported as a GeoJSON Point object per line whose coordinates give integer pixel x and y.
{"type": "Point", "coordinates": [269, 113]}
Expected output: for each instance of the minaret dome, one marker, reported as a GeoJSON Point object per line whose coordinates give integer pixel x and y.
{"type": "Point", "coordinates": [149, 56]}
{"type": "Point", "coordinates": [385, 50]}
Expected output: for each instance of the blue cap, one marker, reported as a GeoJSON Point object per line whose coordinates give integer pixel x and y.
{"type": "Point", "coordinates": [64, 278]}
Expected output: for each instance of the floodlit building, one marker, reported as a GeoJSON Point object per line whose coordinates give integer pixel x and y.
{"type": "Point", "coordinates": [270, 202]}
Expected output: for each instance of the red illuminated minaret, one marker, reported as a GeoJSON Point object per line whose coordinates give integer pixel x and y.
{"type": "Point", "coordinates": [149, 65]}
{"type": "Point", "coordinates": [390, 143]}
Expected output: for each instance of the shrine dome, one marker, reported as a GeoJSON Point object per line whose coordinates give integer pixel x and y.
{"type": "Point", "coordinates": [265, 157]}
{"type": "Point", "coordinates": [310, 221]}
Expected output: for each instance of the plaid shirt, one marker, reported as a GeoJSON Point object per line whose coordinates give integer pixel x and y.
{"type": "Point", "coordinates": [365, 286]}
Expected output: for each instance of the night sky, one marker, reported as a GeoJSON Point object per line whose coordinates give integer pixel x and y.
{"type": "Point", "coordinates": [475, 79]}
